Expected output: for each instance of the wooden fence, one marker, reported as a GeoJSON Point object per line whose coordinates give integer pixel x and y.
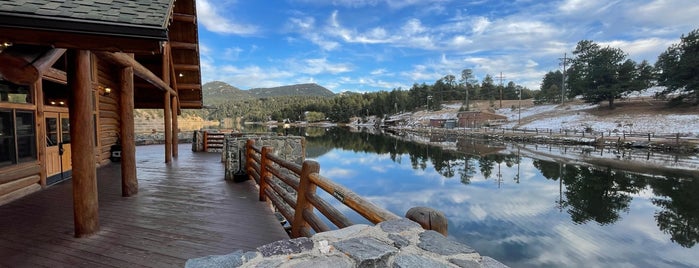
{"type": "Point", "coordinates": [291, 188]}
{"type": "Point", "coordinates": [676, 137]}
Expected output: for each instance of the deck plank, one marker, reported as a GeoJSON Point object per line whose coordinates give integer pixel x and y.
{"type": "Point", "coordinates": [183, 210]}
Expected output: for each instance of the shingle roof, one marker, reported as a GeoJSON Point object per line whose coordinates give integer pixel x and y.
{"type": "Point", "coordinates": [71, 14]}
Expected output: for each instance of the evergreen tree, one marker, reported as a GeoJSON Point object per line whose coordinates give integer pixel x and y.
{"type": "Point", "coordinates": [678, 67]}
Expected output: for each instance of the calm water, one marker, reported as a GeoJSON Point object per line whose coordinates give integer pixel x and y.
{"type": "Point", "coordinates": [522, 211]}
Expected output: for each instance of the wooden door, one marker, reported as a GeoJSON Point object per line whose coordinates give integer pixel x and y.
{"type": "Point", "coordinates": [58, 153]}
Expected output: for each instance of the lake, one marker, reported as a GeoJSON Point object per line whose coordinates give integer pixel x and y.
{"type": "Point", "coordinates": [520, 210]}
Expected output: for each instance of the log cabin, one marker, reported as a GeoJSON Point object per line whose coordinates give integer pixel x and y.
{"type": "Point", "coordinates": [71, 74]}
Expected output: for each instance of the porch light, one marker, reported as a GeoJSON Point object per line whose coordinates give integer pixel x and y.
{"type": "Point", "coordinates": [181, 75]}
{"type": "Point", "coordinates": [5, 45]}
{"type": "Point", "coordinates": [104, 91]}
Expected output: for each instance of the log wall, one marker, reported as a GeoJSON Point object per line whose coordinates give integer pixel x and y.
{"type": "Point", "coordinates": [19, 181]}
{"type": "Point", "coordinates": [108, 122]}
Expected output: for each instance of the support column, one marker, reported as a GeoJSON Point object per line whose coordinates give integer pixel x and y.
{"type": "Point", "coordinates": [129, 180]}
{"type": "Point", "coordinates": [175, 127]}
{"type": "Point", "coordinates": [85, 204]}
{"type": "Point", "coordinates": [168, 127]}
{"type": "Point", "coordinates": [40, 130]}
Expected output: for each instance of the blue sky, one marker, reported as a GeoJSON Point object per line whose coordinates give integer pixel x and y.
{"type": "Point", "coordinates": [371, 45]}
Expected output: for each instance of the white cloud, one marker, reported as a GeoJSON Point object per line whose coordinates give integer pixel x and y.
{"type": "Point", "coordinates": [320, 66]}
{"type": "Point", "coordinates": [208, 16]}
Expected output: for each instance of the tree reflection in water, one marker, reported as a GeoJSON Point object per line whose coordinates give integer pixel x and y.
{"type": "Point", "coordinates": [587, 193]}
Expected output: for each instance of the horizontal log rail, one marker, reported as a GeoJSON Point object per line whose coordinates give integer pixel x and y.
{"type": "Point", "coordinates": [292, 190]}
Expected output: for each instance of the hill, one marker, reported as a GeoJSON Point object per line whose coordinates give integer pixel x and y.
{"type": "Point", "coordinates": [312, 89]}
{"type": "Point", "coordinates": [218, 92]}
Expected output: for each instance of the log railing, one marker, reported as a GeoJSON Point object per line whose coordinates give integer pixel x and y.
{"type": "Point", "coordinates": [292, 190]}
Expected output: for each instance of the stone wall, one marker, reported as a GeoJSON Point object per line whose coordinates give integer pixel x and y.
{"type": "Point", "coordinates": [396, 243]}
{"type": "Point", "coordinates": [289, 148]}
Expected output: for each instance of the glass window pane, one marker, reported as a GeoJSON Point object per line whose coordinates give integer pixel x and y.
{"type": "Point", "coordinates": [51, 131]}
{"type": "Point", "coordinates": [65, 130]}
{"type": "Point", "coordinates": [7, 141]}
{"type": "Point", "coordinates": [14, 93]}
{"type": "Point", "coordinates": [26, 141]}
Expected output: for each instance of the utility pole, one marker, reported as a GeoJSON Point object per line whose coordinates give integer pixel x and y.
{"type": "Point", "coordinates": [501, 77]}
{"type": "Point", "coordinates": [563, 81]}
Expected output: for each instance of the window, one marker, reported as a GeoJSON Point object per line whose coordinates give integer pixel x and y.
{"type": "Point", "coordinates": [17, 137]}
{"type": "Point", "coordinates": [14, 93]}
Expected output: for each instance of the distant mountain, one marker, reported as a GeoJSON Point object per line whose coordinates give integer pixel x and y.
{"type": "Point", "coordinates": [218, 92]}
{"type": "Point", "coordinates": [312, 89]}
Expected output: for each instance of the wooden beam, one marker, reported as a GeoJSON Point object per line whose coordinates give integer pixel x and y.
{"type": "Point", "coordinates": [187, 67]}
{"type": "Point", "coordinates": [184, 17]}
{"type": "Point", "coordinates": [85, 204]}
{"type": "Point", "coordinates": [56, 76]}
{"type": "Point", "coordinates": [24, 65]}
{"type": "Point", "coordinates": [168, 128]}
{"type": "Point", "coordinates": [184, 45]}
{"type": "Point", "coordinates": [124, 60]}
{"type": "Point", "coordinates": [80, 41]}
{"type": "Point", "coordinates": [129, 179]}
{"type": "Point", "coordinates": [16, 65]}
{"type": "Point", "coordinates": [48, 59]}
{"type": "Point", "coordinates": [183, 86]}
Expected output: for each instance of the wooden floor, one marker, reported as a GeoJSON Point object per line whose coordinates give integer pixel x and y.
{"type": "Point", "coordinates": [183, 210]}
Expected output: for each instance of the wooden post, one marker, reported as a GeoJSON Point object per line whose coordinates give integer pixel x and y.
{"type": "Point", "coordinates": [38, 93]}
{"type": "Point", "coordinates": [85, 204]}
{"type": "Point", "coordinates": [168, 127]}
{"type": "Point", "coordinates": [248, 155]}
{"type": "Point", "coordinates": [175, 128]}
{"type": "Point", "coordinates": [205, 140]}
{"type": "Point", "coordinates": [264, 172]}
{"type": "Point", "coordinates": [429, 219]}
{"type": "Point", "coordinates": [306, 188]}
{"type": "Point", "coordinates": [129, 180]}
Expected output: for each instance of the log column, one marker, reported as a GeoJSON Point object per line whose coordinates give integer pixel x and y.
{"type": "Point", "coordinates": [168, 127]}
{"type": "Point", "coordinates": [85, 204]}
{"type": "Point", "coordinates": [175, 127]}
{"type": "Point", "coordinates": [129, 180]}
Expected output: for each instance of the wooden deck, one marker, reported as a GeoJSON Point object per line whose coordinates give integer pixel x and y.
{"type": "Point", "coordinates": [183, 210]}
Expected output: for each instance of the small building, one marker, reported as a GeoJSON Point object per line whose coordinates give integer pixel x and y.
{"type": "Point", "coordinates": [474, 119]}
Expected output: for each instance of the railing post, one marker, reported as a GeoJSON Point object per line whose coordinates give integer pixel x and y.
{"type": "Point", "coordinates": [299, 226]}
{"type": "Point", "coordinates": [264, 172]}
{"type": "Point", "coordinates": [206, 141]}
{"type": "Point", "coordinates": [248, 155]}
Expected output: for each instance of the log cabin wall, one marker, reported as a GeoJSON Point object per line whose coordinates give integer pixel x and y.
{"type": "Point", "coordinates": [108, 121]}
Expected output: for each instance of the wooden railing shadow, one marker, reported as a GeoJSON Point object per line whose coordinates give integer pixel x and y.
{"type": "Point", "coordinates": [291, 188]}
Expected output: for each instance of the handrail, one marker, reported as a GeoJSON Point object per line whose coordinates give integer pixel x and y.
{"type": "Point", "coordinates": [291, 188]}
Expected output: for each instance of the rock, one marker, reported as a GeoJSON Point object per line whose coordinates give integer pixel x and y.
{"type": "Point", "coordinates": [235, 259]}
{"type": "Point", "coordinates": [399, 241]}
{"type": "Point", "coordinates": [489, 262]}
{"type": "Point", "coordinates": [335, 261]}
{"type": "Point", "coordinates": [437, 243]}
{"type": "Point", "coordinates": [411, 260]}
{"type": "Point", "coordinates": [340, 234]}
{"type": "Point", "coordinates": [366, 251]}
{"type": "Point", "coordinates": [292, 246]}
{"type": "Point", "coordinates": [399, 226]}
{"type": "Point", "coordinates": [465, 263]}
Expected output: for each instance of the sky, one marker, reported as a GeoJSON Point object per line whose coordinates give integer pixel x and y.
{"type": "Point", "coordinates": [372, 45]}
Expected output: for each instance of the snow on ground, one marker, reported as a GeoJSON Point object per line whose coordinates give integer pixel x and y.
{"type": "Point", "coordinates": [645, 123]}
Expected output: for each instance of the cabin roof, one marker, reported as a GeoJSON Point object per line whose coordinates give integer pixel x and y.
{"type": "Point", "coordinates": [143, 18]}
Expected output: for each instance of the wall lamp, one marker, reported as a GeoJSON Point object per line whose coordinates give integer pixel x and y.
{"type": "Point", "coordinates": [4, 45]}
{"type": "Point", "coordinates": [104, 91]}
